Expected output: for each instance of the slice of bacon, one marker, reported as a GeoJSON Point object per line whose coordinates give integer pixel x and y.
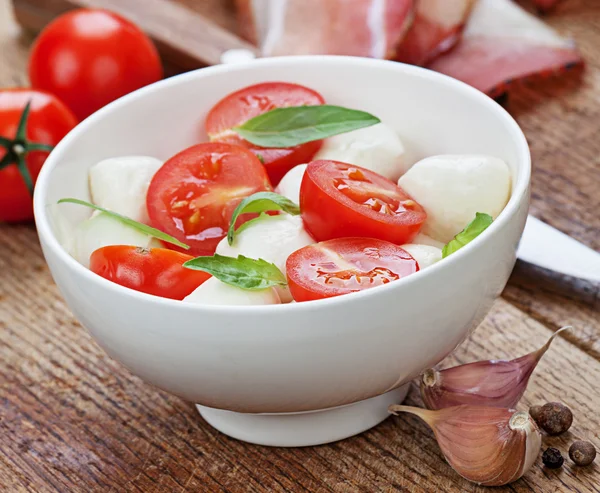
{"type": "Point", "coordinates": [370, 28]}
{"type": "Point", "coordinates": [545, 5]}
{"type": "Point", "coordinates": [502, 43]}
{"type": "Point", "coordinates": [437, 27]}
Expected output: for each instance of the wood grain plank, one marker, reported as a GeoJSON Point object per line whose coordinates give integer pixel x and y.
{"type": "Point", "coordinates": [74, 417]}
{"type": "Point", "coordinates": [561, 119]}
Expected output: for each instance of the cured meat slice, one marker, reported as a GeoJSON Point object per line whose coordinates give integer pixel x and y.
{"type": "Point", "coordinates": [502, 43]}
{"type": "Point", "coordinates": [370, 28]}
{"type": "Point", "coordinates": [437, 27]}
{"type": "Point", "coordinates": [545, 4]}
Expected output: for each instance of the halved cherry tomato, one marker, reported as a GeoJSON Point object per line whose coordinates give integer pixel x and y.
{"type": "Point", "coordinates": [193, 195]}
{"type": "Point", "coordinates": [49, 120]}
{"type": "Point", "coordinates": [252, 101]}
{"type": "Point", "coordinates": [156, 271]}
{"type": "Point", "coordinates": [339, 200]}
{"type": "Point", "coordinates": [336, 267]}
{"type": "Point", "coordinates": [90, 57]}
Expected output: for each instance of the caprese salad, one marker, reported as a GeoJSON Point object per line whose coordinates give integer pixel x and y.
{"type": "Point", "coordinates": [292, 199]}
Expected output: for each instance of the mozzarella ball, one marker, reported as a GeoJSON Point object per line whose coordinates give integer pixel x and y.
{"type": "Point", "coordinates": [120, 184]}
{"type": "Point", "coordinates": [452, 188]}
{"type": "Point", "coordinates": [272, 238]}
{"type": "Point", "coordinates": [215, 292]}
{"type": "Point", "coordinates": [289, 186]}
{"type": "Point", "coordinates": [104, 230]}
{"type": "Point", "coordinates": [377, 148]}
{"type": "Point", "coordinates": [422, 239]}
{"type": "Point", "coordinates": [425, 255]}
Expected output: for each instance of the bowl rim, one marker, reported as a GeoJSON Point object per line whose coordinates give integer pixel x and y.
{"type": "Point", "coordinates": [521, 181]}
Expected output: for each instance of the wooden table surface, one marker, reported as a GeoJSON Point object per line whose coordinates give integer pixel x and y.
{"type": "Point", "coordinates": [73, 420]}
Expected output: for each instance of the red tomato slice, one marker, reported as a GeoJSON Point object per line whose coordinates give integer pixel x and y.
{"type": "Point", "coordinates": [340, 200]}
{"type": "Point", "coordinates": [193, 195]}
{"type": "Point", "coordinates": [342, 266]}
{"type": "Point", "coordinates": [156, 271]}
{"type": "Point", "coordinates": [252, 101]}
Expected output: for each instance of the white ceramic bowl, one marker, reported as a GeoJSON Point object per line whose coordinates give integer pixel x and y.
{"type": "Point", "coordinates": [306, 356]}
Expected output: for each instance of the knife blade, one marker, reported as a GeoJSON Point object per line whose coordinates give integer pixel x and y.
{"type": "Point", "coordinates": [547, 247]}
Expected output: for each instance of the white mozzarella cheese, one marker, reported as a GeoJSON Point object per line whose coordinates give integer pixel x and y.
{"type": "Point", "coordinates": [377, 148]}
{"type": "Point", "coordinates": [215, 292]}
{"type": "Point", "coordinates": [425, 255]}
{"type": "Point", "coordinates": [120, 184]}
{"type": "Point", "coordinates": [452, 188]}
{"type": "Point", "coordinates": [271, 238]}
{"type": "Point", "coordinates": [104, 230]}
{"type": "Point", "coordinates": [289, 186]}
{"type": "Point", "coordinates": [422, 239]}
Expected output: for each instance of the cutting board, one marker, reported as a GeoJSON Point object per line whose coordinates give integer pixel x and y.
{"type": "Point", "coordinates": [181, 29]}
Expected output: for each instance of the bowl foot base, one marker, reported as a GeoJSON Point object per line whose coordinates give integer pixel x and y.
{"type": "Point", "coordinates": [304, 429]}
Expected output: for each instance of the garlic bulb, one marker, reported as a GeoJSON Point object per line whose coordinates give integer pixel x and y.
{"type": "Point", "coordinates": [494, 383]}
{"type": "Point", "coordinates": [486, 445]}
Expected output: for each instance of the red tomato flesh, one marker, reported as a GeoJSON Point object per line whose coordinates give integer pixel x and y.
{"type": "Point", "coordinates": [242, 105]}
{"type": "Point", "coordinates": [90, 57]}
{"type": "Point", "coordinates": [345, 265]}
{"type": "Point", "coordinates": [193, 195]}
{"type": "Point", "coordinates": [340, 200]}
{"type": "Point", "coordinates": [49, 121]}
{"type": "Point", "coordinates": [155, 271]}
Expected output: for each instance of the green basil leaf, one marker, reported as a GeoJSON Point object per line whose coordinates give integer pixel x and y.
{"type": "Point", "coordinates": [472, 231]}
{"type": "Point", "coordinates": [150, 231]}
{"type": "Point", "coordinates": [295, 125]}
{"type": "Point", "coordinates": [241, 272]}
{"type": "Point", "coordinates": [261, 202]}
{"type": "Point", "coordinates": [261, 217]}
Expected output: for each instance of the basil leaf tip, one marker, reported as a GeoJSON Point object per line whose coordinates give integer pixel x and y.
{"type": "Point", "coordinates": [241, 272]}
{"type": "Point", "coordinates": [295, 125]}
{"type": "Point", "coordinates": [472, 231]}
{"type": "Point", "coordinates": [144, 228]}
{"type": "Point", "coordinates": [261, 202]}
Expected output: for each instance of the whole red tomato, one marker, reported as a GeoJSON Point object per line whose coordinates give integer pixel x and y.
{"type": "Point", "coordinates": [31, 123]}
{"type": "Point", "coordinates": [90, 57]}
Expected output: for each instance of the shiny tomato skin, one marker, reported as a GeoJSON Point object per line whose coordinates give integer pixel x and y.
{"type": "Point", "coordinates": [90, 57]}
{"type": "Point", "coordinates": [345, 265]}
{"type": "Point", "coordinates": [193, 195]}
{"type": "Point", "coordinates": [340, 200]}
{"type": "Point", "coordinates": [242, 105]}
{"type": "Point", "coordinates": [156, 271]}
{"type": "Point", "coordinates": [49, 121]}
{"type": "Point", "coordinates": [278, 161]}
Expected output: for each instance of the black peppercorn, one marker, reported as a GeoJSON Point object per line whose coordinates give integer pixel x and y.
{"type": "Point", "coordinates": [554, 418]}
{"type": "Point", "coordinates": [582, 453]}
{"type": "Point", "coordinates": [552, 458]}
{"type": "Point", "coordinates": [535, 412]}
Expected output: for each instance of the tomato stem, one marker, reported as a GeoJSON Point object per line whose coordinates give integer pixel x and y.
{"type": "Point", "coordinates": [19, 147]}
{"type": "Point", "coordinates": [21, 135]}
{"type": "Point", "coordinates": [24, 170]}
{"type": "Point", "coordinates": [32, 146]}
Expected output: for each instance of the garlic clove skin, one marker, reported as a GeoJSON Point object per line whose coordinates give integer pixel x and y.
{"type": "Point", "coordinates": [488, 446]}
{"type": "Point", "coordinates": [493, 383]}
